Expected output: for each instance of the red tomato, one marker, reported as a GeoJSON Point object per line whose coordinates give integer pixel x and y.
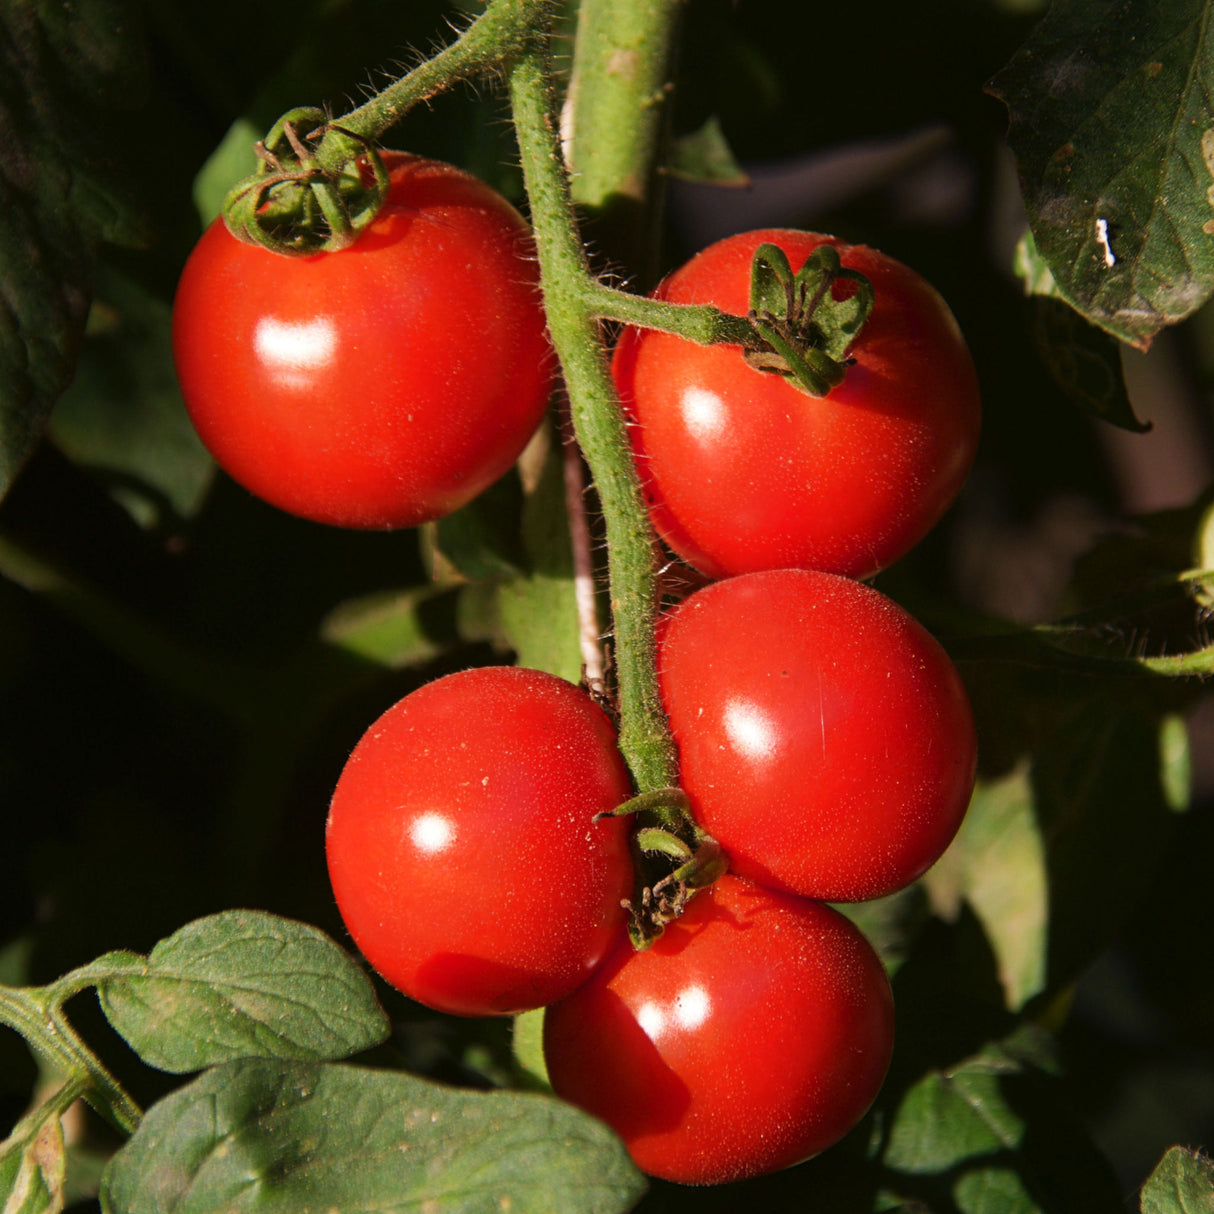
{"type": "Point", "coordinates": [746, 472]}
{"type": "Point", "coordinates": [380, 386]}
{"type": "Point", "coordinates": [461, 846]}
{"type": "Point", "coordinates": [825, 738]}
{"type": "Point", "coordinates": [754, 1033]}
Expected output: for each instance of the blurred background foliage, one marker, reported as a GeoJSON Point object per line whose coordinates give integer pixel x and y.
{"type": "Point", "coordinates": [183, 669]}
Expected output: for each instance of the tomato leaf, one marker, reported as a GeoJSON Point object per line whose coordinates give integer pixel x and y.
{"type": "Point", "coordinates": [399, 628]}
{"type": "Point", "coordinates": [527, 1046]}
{"type": "Point", "coordinates": [240, 984]}
{"type": "Point", "coordinates": [1083, 360]}
{"type": "Point", "coordinates": [538, 612]}
{"type": "Point", "coordinates": [279, 1138]}
{"type": "Point", "coordinates": [997, 864]}
{"type": "Point", "coordinates": [66, 72]}
{"type": "Point", "coordinates": [481, 540]}
{"type": "Point", "coordinates": [33, 1165]}
{"type": "Point", "coordinates": [990, 1136]}
{"type": "Point", "coordinates": [123, 418]}
{"type": "Point", "coordinates": [705, 156]}
{"type": "Point", "coordinates": [1183, 1183]}
{"type": "Point", "coordinates": [1111, 124]}
{"type": "Point", "coordinates": [1102, 801]}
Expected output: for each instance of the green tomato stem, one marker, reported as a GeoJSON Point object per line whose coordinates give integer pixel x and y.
{"type": "Point", "coordinates": [599, 425]}
{"type": "Point", "coordinates": [36, 1013]}
{"type": "Point", "coordinates": [701, 323]}
{"type": "Point", "coordinates": [490, 43]}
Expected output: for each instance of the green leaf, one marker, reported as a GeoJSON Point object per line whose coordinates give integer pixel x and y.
{"type": "Point", "coordinates": [538, 612]}
{"type": "Point", "coordinates": [66, 73]}
{"type": "Point", "coordinates": [240, 984]}
{"type": "Point", "coordinates": [527, 1046]}
{"type": "Point", "coordinates": [33, 1165]}
{"type": "Point", "coordinates": [991, 1136]}
{"type": "Point", "coordinates": [997, 864]}
{"type": "Point", "coordinates": [123, 417]}
{"type": "Point", "coordinates": [233, 159]}
{"type": "Point", "coordinates": [1183, 1183]}
{"type": "Point", "coordinates": [705, 156]}
{"type": "Point", "coordinates": [481, 540]}
{"type": "Point", "coordinates": [1085, 362]}
{"type": "Point", "coordinates": [1111, 124]}
{"type": "Point", "coordinates": [399, 628]}
{"type": "Point", "coordinates": [1101, 804]}
{"type": "Point", "coordinates": [283, 1138]}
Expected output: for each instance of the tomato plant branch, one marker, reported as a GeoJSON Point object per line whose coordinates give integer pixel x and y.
{"type": "Point", "coordinates": [617, 119]}
{"type": "Point", "coordinates": [487, 45]}
{"type": "Point", "coordinates": [36, 1013]}
{"type": "Point", "coordinates": [600, 428]}
{"type": "Point", "coordinates": [701, 323]}
{"type": "Point", "coordinates": [321, 180]}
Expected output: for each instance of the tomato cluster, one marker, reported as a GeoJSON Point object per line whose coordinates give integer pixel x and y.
{"type": "Point", "coordinates": [475, 843]}
{"type": "Point", "coordinates": [825, 739]}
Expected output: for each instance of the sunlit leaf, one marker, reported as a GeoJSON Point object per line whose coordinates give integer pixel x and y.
{"type": "Point", "coordinates": [538, 612]}
{"type": "Point", "coordinates": [399, 628]}
{"type": "Point", "coordinates": [1183, 1183]}
{"type": "Point", "coordinates": [33, 1165]}
{"type": "Point", "coordinates": [240, 984]}
{"type": "Point", "coordinates": [1111, 124]}
{"type": "Point", "coordinates": [705, 155]}
{"type": "Point", "coordinates": [997, 864]}
{"type": "Point", "coordinates": [527, 1044]}
{"type": "Point", "coordinates": [284, 1138]}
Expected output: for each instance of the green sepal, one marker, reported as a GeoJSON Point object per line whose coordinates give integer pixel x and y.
{"type": "Point", "coordinates": [296, 204]}
{"type": "Point", "coordinates": [657, 842]}
{"type": "Point", "coordinates": [807, 330]}
{"type": "Point", "coordinates": [661, 802]}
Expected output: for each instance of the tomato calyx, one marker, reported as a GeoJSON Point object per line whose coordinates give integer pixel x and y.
{"type": "Point", "coordinates": [316, 187]}
{"type": "Point", "coordinates": [807, 330]}
{"type": "Point", "coordinates": [666, 835]}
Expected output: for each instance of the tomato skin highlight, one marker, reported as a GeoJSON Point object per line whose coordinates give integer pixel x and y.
{"type": "Point", "coordinates": [745, 472]}
{"type": "Point", "coordinates": [380, 386]}
{"type": "Point", "coordinates": [753, 1034]}
{"type": "Point", "coordinates": [461, 847]}
{"type": "Point", "coordinates": [825, 738]}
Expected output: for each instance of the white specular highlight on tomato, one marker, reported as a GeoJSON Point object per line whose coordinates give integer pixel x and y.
{"type": "Point", "coordinates": [689, 1009]}
{"type": "Point", "coordinates": [749, 730]}
{"type": "Point", "coordinates": [704, 414]}
{"type": "Point", "coordinates": [432, 833]}
{"type": "Point", "coordinates": [295, 349]}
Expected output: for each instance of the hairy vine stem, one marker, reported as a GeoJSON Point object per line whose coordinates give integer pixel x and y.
{"type": "Point", "coordinates": [37, 1014]}
{"type": "Point", "coordinates": [599, 425]}
{"type": "Point", "coordinates": [488, 45]}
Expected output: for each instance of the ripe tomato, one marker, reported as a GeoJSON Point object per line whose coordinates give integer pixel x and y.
{"type": "Point", "coordinates": [753, 1034]}
{"type": "Point", "coordinates": [825, 739]}
{"type": "Point", "coordinates": [746, 472]}
{"type": "Point", "coordinates": [461, 846]}
{"type": "Point", "coordinates": [380, 386]}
